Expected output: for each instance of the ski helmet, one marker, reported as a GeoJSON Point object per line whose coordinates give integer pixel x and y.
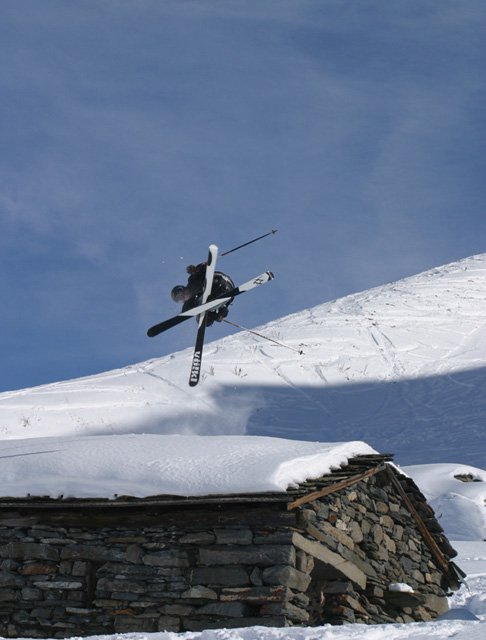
{"type": "Point", "coordinates": [179, 293]}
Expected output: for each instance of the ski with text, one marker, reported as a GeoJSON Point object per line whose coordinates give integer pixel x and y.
{"type": "Point", "coordinates": [201, 329]}
{"type": "Point", "coordinates": [212, 304]}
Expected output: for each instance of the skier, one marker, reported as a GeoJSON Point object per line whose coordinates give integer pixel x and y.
{"type": "Point", "coordinates": [190, 294]}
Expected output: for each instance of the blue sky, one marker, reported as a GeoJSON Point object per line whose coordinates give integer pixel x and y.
{"type": "Point", "coordinates": [134, 133]}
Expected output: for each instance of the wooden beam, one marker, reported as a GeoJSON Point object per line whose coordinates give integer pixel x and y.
{"type": "Point", "coordinates": [337, 486]}
{"type": "Point", "coordinates": [429, 539]}
{"type": "Point", "coordinates": [139, 503]}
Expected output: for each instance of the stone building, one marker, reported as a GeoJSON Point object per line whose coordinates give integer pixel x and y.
{"type": "Point", "coordinates": [359, 544]}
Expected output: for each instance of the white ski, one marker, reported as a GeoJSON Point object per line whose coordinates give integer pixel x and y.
{"type": "Point", "coordinates": [198, 349]}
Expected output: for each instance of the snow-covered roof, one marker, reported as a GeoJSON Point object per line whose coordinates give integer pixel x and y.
{"type": "Point", "coordinates": [147, 465]}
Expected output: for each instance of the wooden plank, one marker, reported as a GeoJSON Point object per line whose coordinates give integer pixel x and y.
{"type": "Point", "coordinates": [137, 503]}
{"type": "Point", "coordinates": [429, 539]}
{"type": "Point", "coordinates": [337, 486]}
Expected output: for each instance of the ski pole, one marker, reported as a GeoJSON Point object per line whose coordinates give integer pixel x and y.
{"type": "Point", "coordinates": [260, 335]}
{"type": "Point", "coordinates": [247, 243]}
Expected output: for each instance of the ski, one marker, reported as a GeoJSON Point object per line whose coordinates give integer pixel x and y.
{"type": "Point", "coordinates": [210, 305]}
{"type": "Point", "coordinates": [201, 330]}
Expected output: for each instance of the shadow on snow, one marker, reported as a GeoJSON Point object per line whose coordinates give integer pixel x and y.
{"type": "Point", "coordinates": [423, 420]}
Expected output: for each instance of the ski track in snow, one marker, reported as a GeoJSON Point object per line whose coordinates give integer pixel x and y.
{"type": "Point", "coordinates": [401, 366]}
{"type": "Point", "coordinates": [404, 362]}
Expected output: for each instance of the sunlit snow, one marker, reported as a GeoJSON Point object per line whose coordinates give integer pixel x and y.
{"type": "Point", "coordinates": [400, 368]}
{"type": "Point", "coordinates": [171, 465]}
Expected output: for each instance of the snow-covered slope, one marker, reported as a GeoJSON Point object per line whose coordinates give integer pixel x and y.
{"type": "Point", "coordinates": [457, 494]}
{"type": "Point", "coordinates": [401, 366]}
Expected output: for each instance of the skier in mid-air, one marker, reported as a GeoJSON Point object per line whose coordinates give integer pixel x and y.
{"type": "Point", "coordinates": [206, 297]}
{"type": "Point", "coordinates": [191, 293]}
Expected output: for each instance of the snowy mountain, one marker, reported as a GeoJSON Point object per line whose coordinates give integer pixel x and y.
{"type": "Point", "coordinates": [401, 367]}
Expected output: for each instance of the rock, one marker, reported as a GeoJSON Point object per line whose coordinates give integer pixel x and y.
{"type": "Point", "coordinates": [198, 538]}
{"type": "Point", "coordinates": [234, 536]}
{"type": "Point", "coordinates": [355, 532]}
{"type": "Point", "coordinates": [288, 576]}
{"type": "Point", "coordinates": [404, 599]}
{"type": "Point", "coordinates": [222, 576]}
{"type": "Point", "coordinates": [169, 558]}
{"type": "Point", "coordinates": [256, 595]}
{"type": "Point", "coordinates": [377, 533]}
{"type": "Point", "coordinates": [37, 568]}
{"type": "Point", "coordinates": [200, 592]}
{"type": "Point", "coordinates": [29, 550]}
{"type": "Point", "coordinates": [223, 609]}
{"type": "Point", "coordinates": [168, 623]}
{"type": "Point", "coordinates": [62, 585]}
{"type": "Point", "coordinates": [439, 605]}
{"type": "Point", "coordinates": [287, 609]}
{"type": "Point", "coordinates": [252, 554]}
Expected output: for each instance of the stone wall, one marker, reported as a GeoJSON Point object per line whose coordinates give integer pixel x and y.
{"type": "Point", "coordinates": [370, 526]}
{"type": "Point", "coordinates": [85, 570]}
{"type": "Point", "coordinates": [188, 569]}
